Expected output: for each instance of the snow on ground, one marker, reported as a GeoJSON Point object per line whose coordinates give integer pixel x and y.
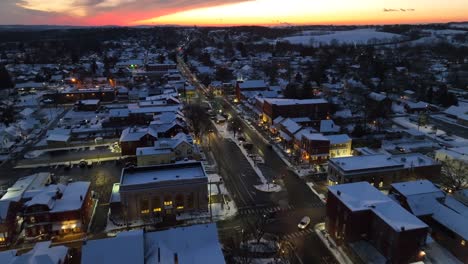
{"type": "Point", "coordinates": [34, 154]}
{"type": "Point", "coordinates": [264, 246]}
{"type": "Point", "coordinates": [357, 36]}
{"type": "Point", "coordinates": [436, 254]}
{"type": "Point", "coordinates": [268, 187]}
{"type": "Point", "coordinates": [405, 122]}
{"type": "Point", "coordinates": [462, 25]}
{"type": "Point", "coordinates": [224, 209]}
{"type": "Point", "coordinates": [321, 196]}
{"type": "Point", "coordinates": [267, 261]}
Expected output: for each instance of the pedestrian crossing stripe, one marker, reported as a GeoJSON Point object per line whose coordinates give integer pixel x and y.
{"type": "Point", "coordinates": [298, 234]}
{"type": "Point", "coordinates": [248, 211]}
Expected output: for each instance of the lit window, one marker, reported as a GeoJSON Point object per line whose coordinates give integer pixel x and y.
{"type": "Point", "coordinates": [167, 203]}
{"type": "Point", "coordinates": [146, 211]}
{"type": "Point", "coordinates": [180, 207]}
{"type": "Point", "coordinates": [463, 242]}
{"type": "Point", "coordinates": [157, 209]}
{"type": "Point", "coordinates": [2, 239]}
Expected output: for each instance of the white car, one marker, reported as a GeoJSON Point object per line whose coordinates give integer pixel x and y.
{"type": "Point", "coordinates": [305, 221]}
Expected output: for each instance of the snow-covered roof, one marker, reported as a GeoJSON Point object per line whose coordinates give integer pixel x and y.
{"type": "Point", "coordinates": [452, 220]}
{"type": "Point", "coordinates": [197, 244]}
{"type": "Point", "coordinates": [461, 112]}
{"type": "Point", "coordinates": [377, 96]}
{"type": "Point", "coordinates": [415, 187]}
{"type": "Point", "coordinates": [314, 136]}
{"type": "Point", "coordinates": [414, 160]}
{"type": "Point", "coordinates": [89, 102]}
{"type": "Point", "coordinates": [42, 253]}
{"type": "Point", "coordinates": [8, 256]}
{"type": "Point", "coordinates": [360, 196]}
{"type": "Point", "coordinates": [328, 126]}
{"type": "Point", "coordinates": [291, 126]}
{"type": "Point", "coordinates": [126, 247]}
{"type": "Point", "coordinates": [338, 139]}
{"type": "Point", "coordinates": [162, 173]}
{"type": "Point", "coordinates": [26, 184]}
{"type": "Point", "coordinates": [72, 198]}
{"type": "Point", "coordinates": [459, 153]}
{"type": "Point", "coordinates": [376, 161]}
{"type": "Point", "coordinates": [277, 101]}
{"type": "Point", "coordinates": [58, 137]}
{"type": "Point", "coordinates": [252, 84]}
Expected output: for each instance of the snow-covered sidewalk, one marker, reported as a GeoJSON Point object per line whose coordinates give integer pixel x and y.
{"type": "Point", "coordinates": [226, 208]}
{"type": "Point", "coordinates": [336, 251]}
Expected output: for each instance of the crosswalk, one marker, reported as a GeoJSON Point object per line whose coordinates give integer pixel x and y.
{"type": "Point", "coordinates": [263, 210]}
{"type": "Point", "coordinates": [298, 234]}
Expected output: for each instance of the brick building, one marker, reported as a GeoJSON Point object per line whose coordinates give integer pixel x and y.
{"type": "Point", "coordinates": [315, 109]}
{"type": "Point", "coordinates": [359, 213]}
{"type": "Point", "coordinates": [58, 209]}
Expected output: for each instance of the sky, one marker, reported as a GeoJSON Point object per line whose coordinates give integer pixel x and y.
{"type": "Point", "coordinates": [229, 12]}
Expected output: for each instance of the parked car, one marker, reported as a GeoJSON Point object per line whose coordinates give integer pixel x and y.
{"type": "Point", "coordinates": [305, 221]}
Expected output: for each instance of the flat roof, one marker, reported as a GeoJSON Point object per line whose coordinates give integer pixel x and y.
{"type": "Point", "coordinates": [162, 173]}
{"type": "Point", "coordinates": [24, 184]}
{"type": "Point", "coordinates": [415, 187]}
{"type": "Point", "coordinates": [376, 161]}
{"type": "Point", "coordinates": [361, 196]}
{"type": "Point", "coordinates": [295, 101]}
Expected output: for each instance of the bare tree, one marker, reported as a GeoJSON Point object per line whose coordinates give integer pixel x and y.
{"type": "Point", "coordinates": [198, 118]}
{"type": "Point", "coordinates": [455, 174]}
{"type": "Point", "coordinates": [235, 125]}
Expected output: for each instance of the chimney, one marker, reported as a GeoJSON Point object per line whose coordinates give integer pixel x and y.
{"type": "Point", "coordinates": [402, 228]}
{"type": "Point", "coordinates": [338, 192]}
{"type": "Point", "coordinates": [159, 255]}
{"type": "Point", "coordinates": [176, 258]}
{"type": "Point", "coordinates": [81, 197]}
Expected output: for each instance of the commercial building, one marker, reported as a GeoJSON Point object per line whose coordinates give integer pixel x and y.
{"type": "Point", "coordinates": [359, 214]}
{"type": "Point", "coordinates": [381, 170]}
{"type": "Point", "coordinates": [163, 191]}
{"type": "Point", "coordinates": [315, 109]}
{"type": "Point", "coordinates": [249, 86]}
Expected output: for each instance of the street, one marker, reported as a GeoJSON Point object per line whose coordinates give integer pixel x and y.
{"type": "Point", "coordinates": [289, 206]}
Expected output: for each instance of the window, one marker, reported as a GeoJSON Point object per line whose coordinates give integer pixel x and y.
{"type": "Point", "coordinates": [156, 203]}
{"type": "Point", "coordinates": [144, 206]}
{"type": "Point", "coordinates": [179, 201]}
{"type": "Point", "coordinates": [463, 242]}
{"type": "Point", "coordinates": [190, 200]}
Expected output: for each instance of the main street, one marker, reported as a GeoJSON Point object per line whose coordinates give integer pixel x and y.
{"type": "Point", "coordinates": [290, 206]}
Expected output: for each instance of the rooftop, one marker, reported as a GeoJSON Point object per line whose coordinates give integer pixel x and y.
{"type": "Point", "coordinates": [162, 173]}
{"type": "Point", "coordinates": [361, 196]}
{"type": "Point", "coordinates": [415, 187]}
{"type": "Point", "coordinates": [376, 161]}
{"type": "Point", "coordinates": [197, 244]}
{"type": "Point", "coordinates": [295, 101]}
{"type": "Point", "coordinates": [24, 184]}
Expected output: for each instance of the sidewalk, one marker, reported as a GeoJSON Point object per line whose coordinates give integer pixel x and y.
{"type": "Point", "coordinates": [336, 251]}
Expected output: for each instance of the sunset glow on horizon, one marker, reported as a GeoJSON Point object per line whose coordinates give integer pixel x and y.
{"type": "Point", "coordinates": [231, 12]}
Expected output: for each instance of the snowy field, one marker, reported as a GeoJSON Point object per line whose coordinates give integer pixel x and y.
{"type": "Point", "coordinates": [357, 36]}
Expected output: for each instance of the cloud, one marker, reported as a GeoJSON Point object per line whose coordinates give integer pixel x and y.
{"type": "Point", "coordinates": [399, 10]}
{"type": "Point", "coordinates": [95, 12]}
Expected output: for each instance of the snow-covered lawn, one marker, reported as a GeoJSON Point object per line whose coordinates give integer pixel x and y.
{"type": "Point", "coordinates": [225, 208]}
{"type": "Point", "coordinates": [358, 36]}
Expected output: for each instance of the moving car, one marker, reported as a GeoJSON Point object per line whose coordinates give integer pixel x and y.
{"type": "Point", "coordinates": [305, 221]}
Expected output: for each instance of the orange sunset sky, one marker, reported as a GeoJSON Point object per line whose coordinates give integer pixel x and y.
{"type": "Point", "coordinates": [230, 12]}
